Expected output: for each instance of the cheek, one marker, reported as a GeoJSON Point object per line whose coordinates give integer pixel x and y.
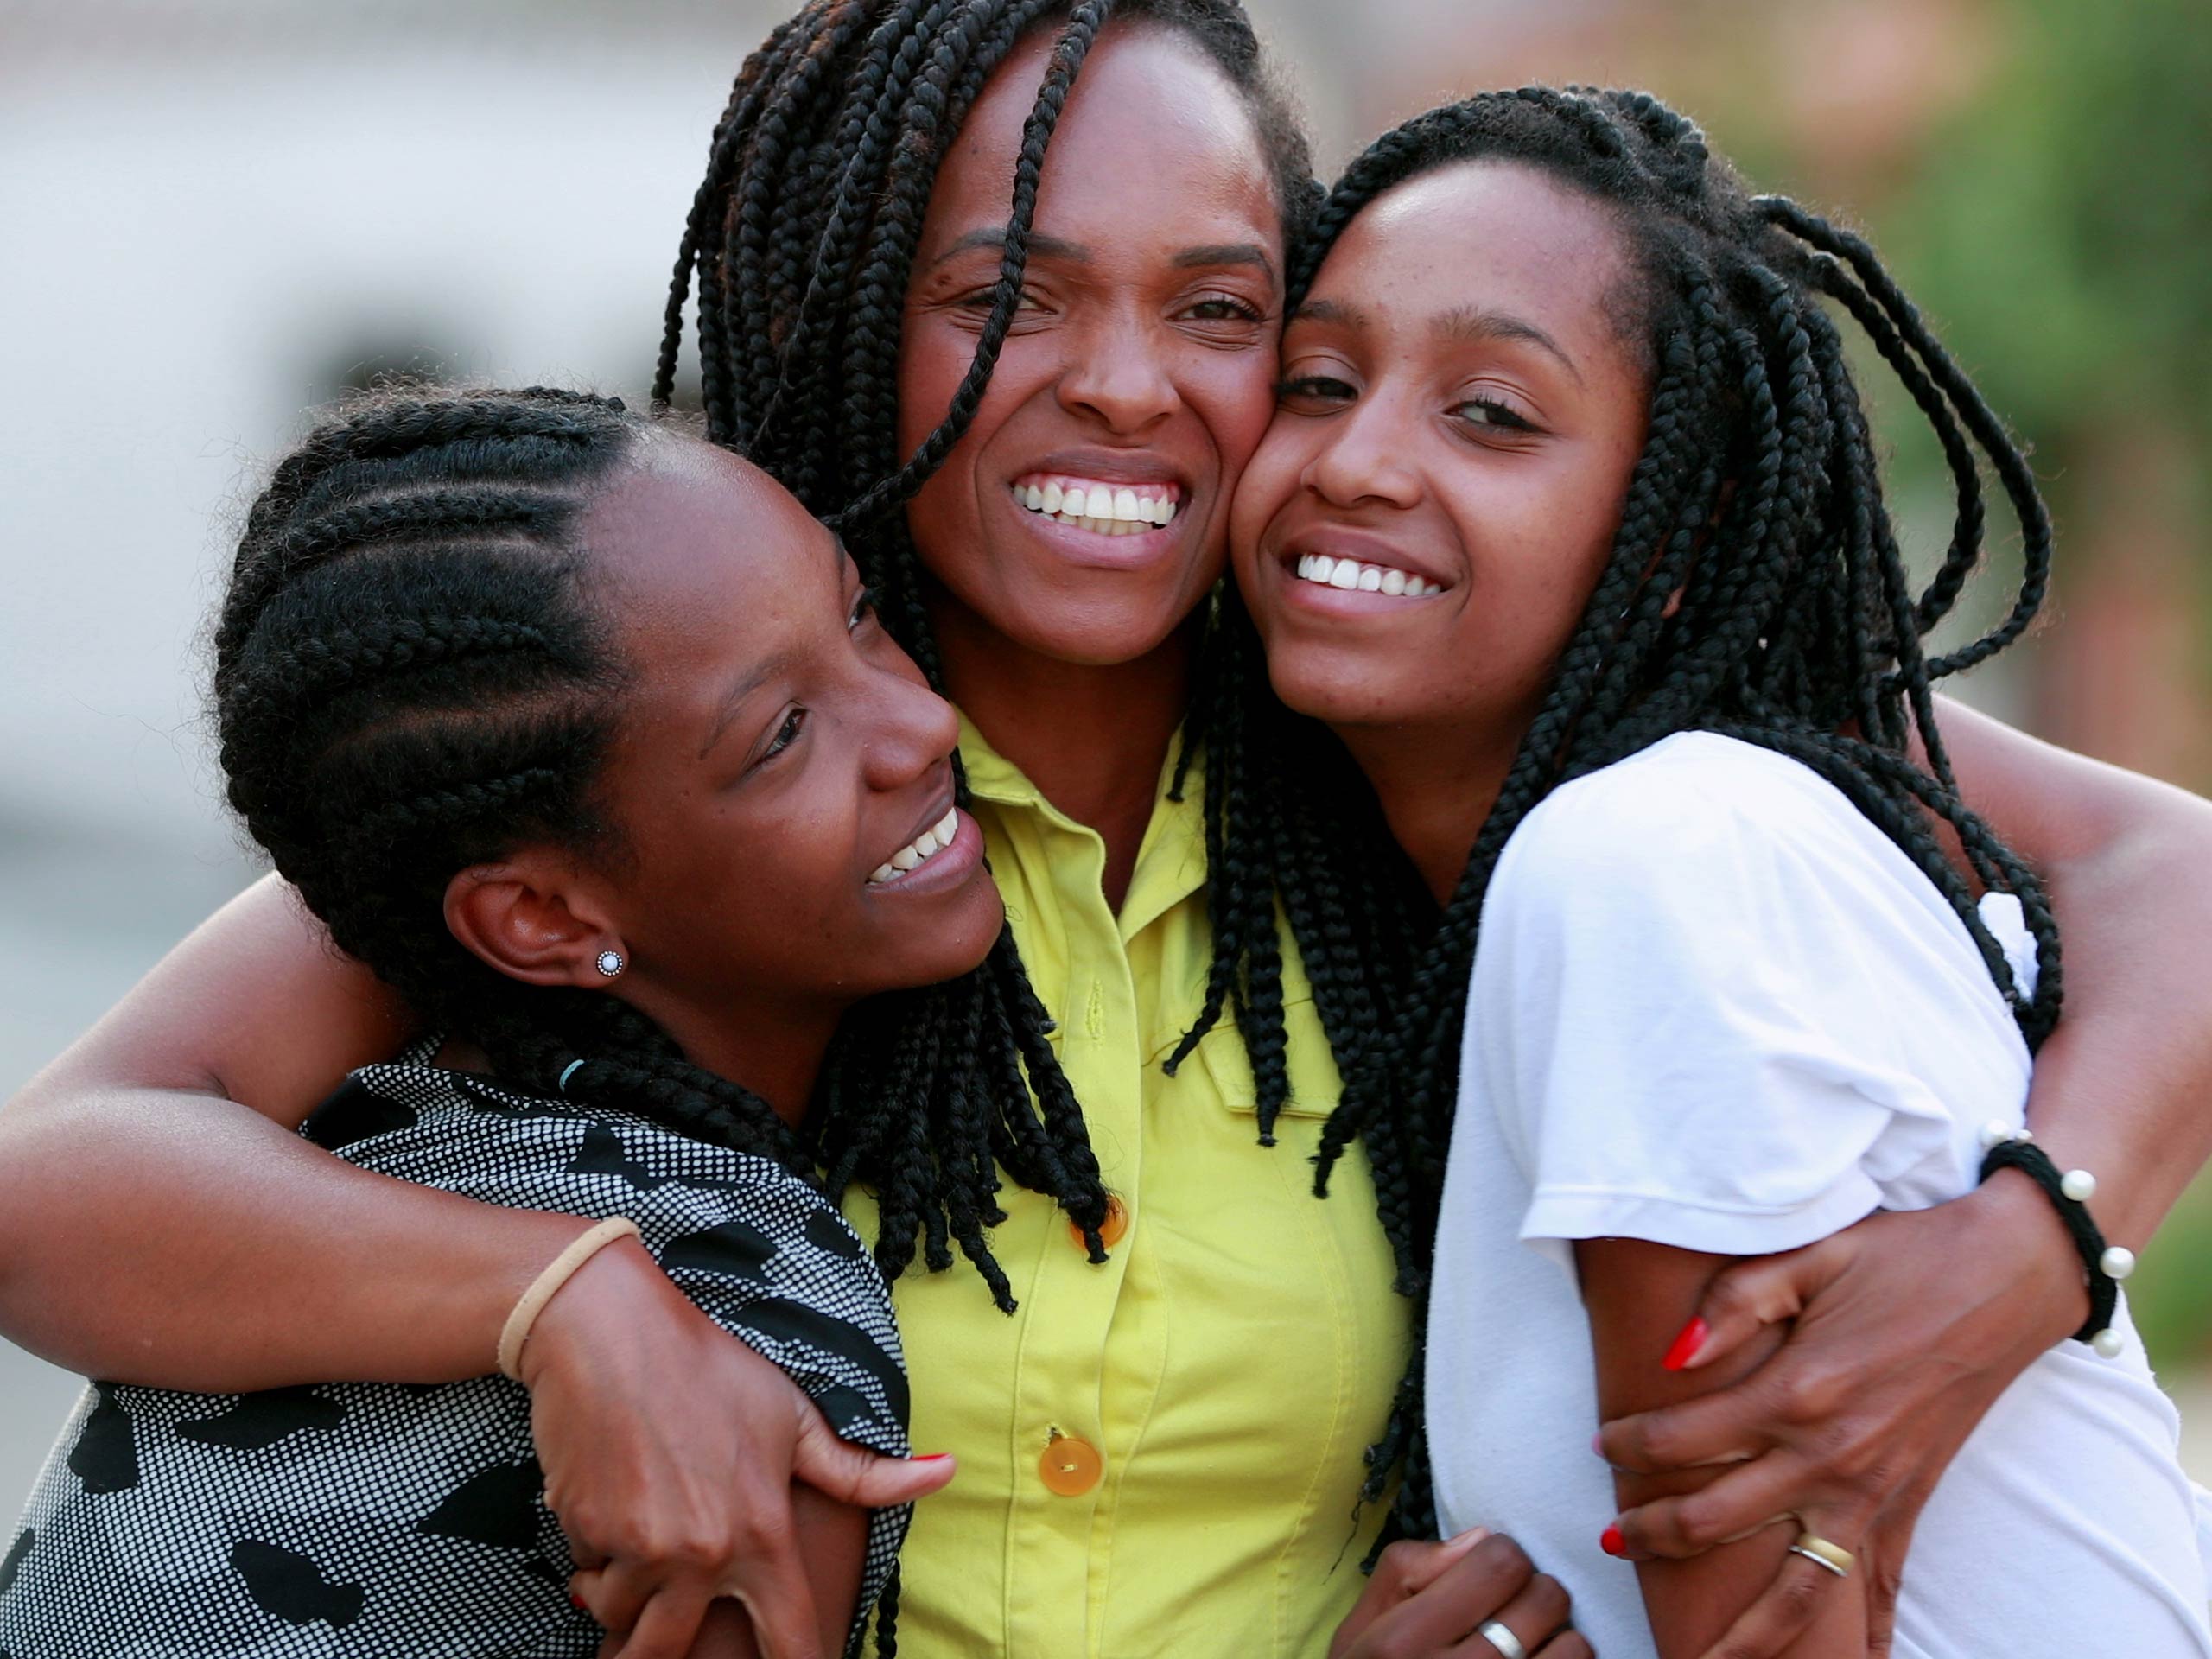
{"type": "Point", "coordinates": [1269, 481]}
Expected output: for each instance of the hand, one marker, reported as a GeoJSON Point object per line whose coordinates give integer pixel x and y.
{"type": "Point", "coordinates": [1908, 1328]}
{"type": "Point", "coordinates": [670, 1448]}
{"type": "Point", "coordinates": [1430, 1599]}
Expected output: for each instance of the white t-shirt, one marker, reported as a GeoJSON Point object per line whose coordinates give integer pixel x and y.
{"type": "Point", "coordinates": [1713, 1006]}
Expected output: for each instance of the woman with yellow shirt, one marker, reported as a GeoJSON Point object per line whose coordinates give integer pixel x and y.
{"type": "Point", "coordinates": [1161, 1450]}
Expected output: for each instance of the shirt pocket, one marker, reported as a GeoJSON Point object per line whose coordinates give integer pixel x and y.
{"type": "Point", "coordinates": [1314, 1085]}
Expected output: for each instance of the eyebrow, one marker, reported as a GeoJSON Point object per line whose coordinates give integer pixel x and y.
{"type": "Point", "coordinates": [1211, 253]}
{"type": "Point", "coordinates": [994, 237]}
{"type": "Point", "coordinates": [776, 666]}
{"type": "Point", "coordinates": [1468, 323]}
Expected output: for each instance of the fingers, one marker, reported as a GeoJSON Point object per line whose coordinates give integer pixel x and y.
{"type": "Point", "coordinates": [772, 1586]}
{"type": "Point", "coordinates": [854, 1475]}
{"type": "Point", "coordinates": [1740, 1503]}
{"type": "Point", "coordinates": [1439, 1616]}
{"type": "Point", "coordinates": [667, 1626]}
{"type": "Point", "coordinates": [1783, 1612]}
{"type": "Point", "coordinates": [613, 1595]}
{"type": "Point", "coordinates": [1403, 1570]}
{"type": "Point", "coordinates": [1750, 1294]}
{"type": "Point", "coordinates": [1534, 1616]}
{"type": "Point", "coordinates": [1567, 1644]}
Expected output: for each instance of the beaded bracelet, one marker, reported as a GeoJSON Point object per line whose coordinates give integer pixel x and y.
{"type": "Point", "coordinates": [2105, 1265]}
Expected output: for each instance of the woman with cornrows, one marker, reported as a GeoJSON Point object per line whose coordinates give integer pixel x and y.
{"type": "Point", "coordinates": [1641, 708]}
{"type": "Point", "coordinates": [947, 253]}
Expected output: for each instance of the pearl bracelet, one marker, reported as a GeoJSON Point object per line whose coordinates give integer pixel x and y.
{"type": "Point", "coordinates": [2105, 1265]}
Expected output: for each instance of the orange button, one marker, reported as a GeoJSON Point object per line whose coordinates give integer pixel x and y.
{"type": "Point", "coordinates": [1071, 1467]}
{"type": "Point", "coordinates": [1111, 1230]}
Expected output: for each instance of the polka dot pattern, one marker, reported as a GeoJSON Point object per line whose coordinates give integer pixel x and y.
{"type": "Point", "coordinates": [365, 1521]}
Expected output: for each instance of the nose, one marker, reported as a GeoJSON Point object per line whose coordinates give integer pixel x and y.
{"type": "Point", "coordinates": [1363, 457]}
{"type": "Point", "coordinates": [913, 729]}
{"type": "Point", "coordinates": [1116, 375]}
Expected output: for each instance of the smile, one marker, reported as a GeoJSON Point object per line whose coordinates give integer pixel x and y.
{"type": "Point", "coordinates": [1352, 576]}
{"type": "Point", "coordinates": [919, 851]}
{"type": "Point", "coordinates": [1104, 508]}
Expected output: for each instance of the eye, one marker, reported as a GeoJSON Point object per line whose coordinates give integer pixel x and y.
{"type": "Point", "coordinates": [1221, 308]}
{"type": "Point", "coordinates": [980, 301]}
{"type": "Point", "coordinates": [1311, 390]}
{"type": "Point", "coordinates": [863, 611]}
{"type": "Point", "coordinates": [1489, 412]}
{"type": "Point", "coordinates": [786, 734]}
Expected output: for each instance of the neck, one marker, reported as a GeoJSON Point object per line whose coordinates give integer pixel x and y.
{"type": "Point", "coordinates": [776, 1051]}
{"type": "Point", "coordinates": [1436, 784]}
{"type": "Point", "coordinates": [1092, 738]}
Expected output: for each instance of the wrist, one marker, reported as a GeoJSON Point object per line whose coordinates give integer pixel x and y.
{"type": "Point", "coordinates": [600, 1304]}
{"type": "Point", "coordinates": [2018, 1224]}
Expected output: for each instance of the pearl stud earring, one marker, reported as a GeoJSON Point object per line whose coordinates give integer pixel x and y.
{"type": "Point", "coordinates": [610, 963]}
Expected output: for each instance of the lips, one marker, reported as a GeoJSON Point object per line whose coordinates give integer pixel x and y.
{"type": "Point", "coordinates": [1354, 561]}
{"type": "Point", "coordinates": [917, 852]}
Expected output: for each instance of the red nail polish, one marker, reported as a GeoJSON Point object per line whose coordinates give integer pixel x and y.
{"type": "Point", "coordinates": [1610, 1540]}
{"type": "Point", "coordinates": [577, 1602]}
{"type": "Point", "coordinates": [930, 1456]}
{"type": "Point", "coordinates": [1687, 1345]}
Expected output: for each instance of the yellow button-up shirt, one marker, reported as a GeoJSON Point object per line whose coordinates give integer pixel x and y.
{"type": "Point", "coordinates": [1228, 1364]}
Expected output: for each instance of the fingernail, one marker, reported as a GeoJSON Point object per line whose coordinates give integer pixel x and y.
{"type": "Point", "coordinates": [1598, 1444]}
{"type": "Point", "coordinates": [931, 1456]}
{"type": "Point", "coordinates": [577, 1602]}
{"type": "Point", "coordinates": [1461, 1541]}
{"type": "Point", "coordinates": [1610, 1541]}
{"type": "Point", "coordinates": [1687, 1345]}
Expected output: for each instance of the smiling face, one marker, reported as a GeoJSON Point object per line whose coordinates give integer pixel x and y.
{"type": "Point", "coordinates": [780, 775]}
{"type": "Point", "coordinates": [1460, 416]}
{"type": "Point", "coordinates": [1084, 514]}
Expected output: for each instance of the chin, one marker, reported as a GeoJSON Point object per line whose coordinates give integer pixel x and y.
{"type": "Point", "coordinates": [1338, 687]}
{"type": "Point", "coordinates": [1105, 630]}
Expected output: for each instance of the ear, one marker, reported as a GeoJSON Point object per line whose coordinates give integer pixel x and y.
{"type": "Point", "coordinates": [535, 918]}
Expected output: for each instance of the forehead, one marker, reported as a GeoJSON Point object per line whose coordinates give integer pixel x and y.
{"type": "Point", "coordinates": [1151, 127]}
{"type": "Point", "coordinates": [1494, 233]}
{"type": "Point", "coordinates": [699, 546]}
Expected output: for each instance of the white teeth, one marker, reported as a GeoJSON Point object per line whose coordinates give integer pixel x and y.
{"type": "Point", "coordinates": [1351, 577]}
{"type": "Point", "coordinates": [933, 840]}
{"type": "Point", "coordinates": [1096, 506]}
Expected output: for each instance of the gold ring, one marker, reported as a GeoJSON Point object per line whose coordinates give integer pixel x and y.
{"type": "Point", "coordinates": [1819, 1551]}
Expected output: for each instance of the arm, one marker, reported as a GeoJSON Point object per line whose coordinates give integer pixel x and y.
{"type": "Point", "coordinates": [161, 1223]}
{"type": "Point", "coordinates": [2122, 1086]}
{"type": "Point", "coordinates": [1638, 1294]}
{"type": "Point", "coordinates": [1905, 1329]}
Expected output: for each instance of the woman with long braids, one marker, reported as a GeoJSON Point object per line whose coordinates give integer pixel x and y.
{"type": "Point", "coordinates": [1571, 530]}
{"type": "Point", "coordinates": [957, 250]}
{"type": "Point", "coordinates": [583, 735]}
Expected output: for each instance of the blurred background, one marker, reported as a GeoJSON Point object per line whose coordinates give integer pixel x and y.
{"type": "Point", "coordinates": [213, 215]}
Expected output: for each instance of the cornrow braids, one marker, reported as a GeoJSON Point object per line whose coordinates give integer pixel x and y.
{"type": "Point", "coordinates": [801, 241]}
{"type": "Point", "coordinates": [1755, 589]}
{"type": "Point", "coordinates": [411, 677]}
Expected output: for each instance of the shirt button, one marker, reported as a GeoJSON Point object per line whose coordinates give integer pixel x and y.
{"type": "Point", "coordinates": [1070, 1467]}
{"type": "Point", "coordinates": [1111, 1230]}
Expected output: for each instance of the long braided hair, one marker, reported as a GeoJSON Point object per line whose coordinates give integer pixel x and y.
{"type": "Point", "coordinates": [411, 677]}
{"type": "Point", "coordinates": [1755, 589]}
{"type": "Point", "coordinates": [802, 240]}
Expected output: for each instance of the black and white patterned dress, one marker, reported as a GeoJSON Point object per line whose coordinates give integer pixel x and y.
{"type": "Point", "coordinates": [372, 1521]}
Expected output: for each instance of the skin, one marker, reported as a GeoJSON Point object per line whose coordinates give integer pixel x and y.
{"type": "Point", "coordinates": [1144, 351]}
{"type": "Point", "coordinates": [122, 1218]}
{"type": "Point", "coordinates": [1492, 460]}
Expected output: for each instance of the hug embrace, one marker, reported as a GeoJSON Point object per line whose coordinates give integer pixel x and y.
{"type": "Point", "coordinates": [1242, 858]}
